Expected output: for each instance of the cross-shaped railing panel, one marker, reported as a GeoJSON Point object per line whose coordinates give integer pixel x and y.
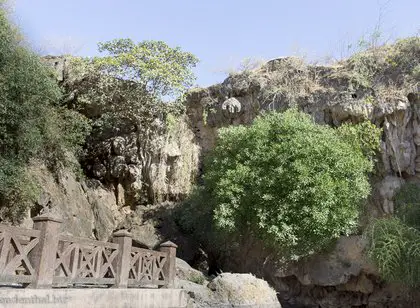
{"type": "Point", "coordinates": [16, 266]}
{"type": "Point", "coordinates": [147, 267]}
{"type": "Point", "coordinates": [84, 261]}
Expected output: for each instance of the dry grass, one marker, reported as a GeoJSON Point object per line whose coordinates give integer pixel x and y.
{"type": "Point", "coordinates": [291, 81]}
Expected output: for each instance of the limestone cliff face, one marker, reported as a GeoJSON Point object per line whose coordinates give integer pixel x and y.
{"type": "Point", "coordinates": [352, 91]}
{"type": "Point", "coordinates": [115, 158]}
{"type": "Point", "coordinates": [115, 192]}
{"type": "Point", "coordinates": [330, 95]}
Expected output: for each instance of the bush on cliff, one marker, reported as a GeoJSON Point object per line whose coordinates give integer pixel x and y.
{"type": "Point", "coordinates": [289, 182]}
{"type": "Point", "coordinates": [395, 241]}
{"type": "Point", "coordinates": [32, 124]}
{"type": "Point", "coordinates": [395, 249]}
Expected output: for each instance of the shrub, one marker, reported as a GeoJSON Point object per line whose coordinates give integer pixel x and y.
{"type": "Point", "coordinates": [197, 278]}
{"type": "Point", "coordinates": [285, 180]}
{"type": "Point", "coordinates": [395, 249]}
{"type": "Point", "coordinates": [364, 135]}
{"type": "Point", "coordinates": [292, 81]}
{"type": "Point", "coordinates": [395, 241]}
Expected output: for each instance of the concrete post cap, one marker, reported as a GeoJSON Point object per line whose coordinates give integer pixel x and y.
{"type": "Point", "coordinates": [122, 233]}
{"type": "Point", "coordinates": [47, 217]}
{"type": "Point", "coordinates": [169, 244]}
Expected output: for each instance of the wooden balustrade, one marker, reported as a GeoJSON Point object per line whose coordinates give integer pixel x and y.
{"type": "Point", "coordinates": [44, 258]}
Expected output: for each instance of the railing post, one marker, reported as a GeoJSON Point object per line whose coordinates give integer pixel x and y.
{"type": "Point", "coordinates": [169, 267]}
{"type": "Point", "coordinates": [44, 254]}
{"type": "Point", "coordinates": [122, 262]}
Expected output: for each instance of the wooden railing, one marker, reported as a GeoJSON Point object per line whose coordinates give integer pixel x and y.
{"type": "Point", "coordinates": [44, 258]}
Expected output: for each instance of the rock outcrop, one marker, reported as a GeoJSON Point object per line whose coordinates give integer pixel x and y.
{"type": "Point", "coordinates": [382, 86]}
{"type": "Point", "coordinates": [91, 209]}
{"type": "Point", "coordinates": [225, 290]}
{"type": "Point", "coordinates": [114, 155]}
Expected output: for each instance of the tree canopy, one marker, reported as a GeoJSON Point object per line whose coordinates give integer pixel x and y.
{"type": "Point", "coordinates": [162, 70]}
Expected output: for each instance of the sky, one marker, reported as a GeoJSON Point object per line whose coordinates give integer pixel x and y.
{"type": "Point", "coordinates": [220, 33]}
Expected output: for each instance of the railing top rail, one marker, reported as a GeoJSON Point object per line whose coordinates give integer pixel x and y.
{"type": "Point", "coordinates": [85, 241]}
{"type": "Point", "coordinates": [149, 251]}
{"type": "Point", "coordinates": [20, 231]}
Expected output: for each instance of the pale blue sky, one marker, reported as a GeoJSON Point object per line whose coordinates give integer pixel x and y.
{"type": "Point", "coordinates": [220, 33]}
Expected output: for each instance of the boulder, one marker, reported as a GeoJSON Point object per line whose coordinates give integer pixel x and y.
{"type": "Point", "coordinates": [243, 289]}
{"type": "Point", "coordinates": [185, 272]}
{"type": "Point", "coordinates": [228, 290]}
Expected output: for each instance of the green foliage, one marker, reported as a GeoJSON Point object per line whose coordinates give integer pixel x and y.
{"type": "Point", "coordinates": [378, 65]}
{"type": "Point", "coordinates": [364, 135]}
{"type": "Point", "coordinates": [64, 132]}
{"type": "Point", "coordinates": [291, 81]}
{"type": "Point", "coordinates": [194, 216]}
{"type": "Point", "coordinates": [197, 278]}
{"type": "Point", "coordinates": [395, 242]}
{"type": "Point", "coordinates": [292, 183]}
{"type": "Point", "coordinates": [162, 70]}
{"type": "Point", "coordinates": [395, 248]}
{"type": "Point", "coordinates": [407, 203]}
{"type": "Point", "coordinates": [369, 100]}
{"type": "Point", "coordinates": [131, 82]}
{"type": "Point", "coordinates": [31, 123]}
{"type": "Point", "coordinates": [404, 55]}
{"type": "Point", "coordinates": [416, 73]}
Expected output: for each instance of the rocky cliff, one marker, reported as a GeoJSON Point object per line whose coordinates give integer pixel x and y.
{"type": "Point", "coordinates": [113, 191]}
{"type": "Point", "coordinates": [380, 85]}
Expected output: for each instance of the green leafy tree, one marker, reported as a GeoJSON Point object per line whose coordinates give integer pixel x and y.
{"type": "Point", "coordinates": [285, 180]}
{"type": "Point", "coordinates": [160, 69]}
{"type": "Point", "coordinates": [31, 121]}
{"type": "Point", "coordinates": [407, 204]}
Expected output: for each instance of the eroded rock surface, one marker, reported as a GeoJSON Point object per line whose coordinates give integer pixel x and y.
{"type": "Point", "coordinates": [91, 209]}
